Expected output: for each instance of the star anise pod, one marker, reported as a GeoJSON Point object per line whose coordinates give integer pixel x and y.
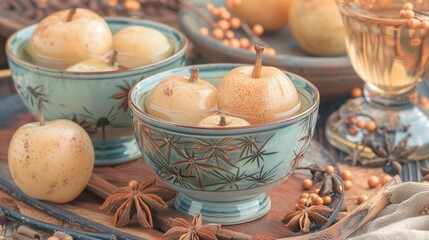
{"type": "Point", "coordinates": [390, 156]}
{"type": "Point", "coordinates": [195, 230]}
{"type": "Point", "coordinates": [136, 203]}
{"type": "Point", "coordinates": [317, 173]}
{"type": "Point", "coordinates": [355, 155]}
{"type": "Point", "coordinates": [305, 216]}
{"type": "Point", "coordinates": [332, 184]}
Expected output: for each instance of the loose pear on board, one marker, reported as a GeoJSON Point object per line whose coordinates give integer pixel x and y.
{"type": "Point", "coordinates": [52, 160]}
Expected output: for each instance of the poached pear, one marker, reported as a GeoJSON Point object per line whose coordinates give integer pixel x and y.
{"type": "Point", "coordinates": [69, 36]}
{"type": "Point", "coordinates": [139, 46]}
{"type": "Point", "coordinates": [257, 93]}
{"type": "Point", "coordinates": [95, 65]}
{"type": "Point", "coordinates": [222, 121]}
{"type": "Point", "coordinates": [182, 100]}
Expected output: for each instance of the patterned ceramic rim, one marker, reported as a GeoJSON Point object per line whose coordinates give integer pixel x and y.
{"type": "Point", "coordinates": [182, 49]}
{"type": "Point", "coordinates": [216, 131]}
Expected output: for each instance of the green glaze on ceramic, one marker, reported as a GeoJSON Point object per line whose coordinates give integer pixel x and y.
{"type": "Point", "coordinates": [220, 173]}
{"type": "Point", "coordinates": [96, 101]}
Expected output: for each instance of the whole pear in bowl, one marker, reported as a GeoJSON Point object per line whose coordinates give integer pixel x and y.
{"type": "Point", "coordinates": [182, 100]}
{"type": "Point", "coordinates": [258, 94]}
{"type": "Point", "coordinates": [222, 121]}
{"type": "Point", "coordinates": [69, 36]}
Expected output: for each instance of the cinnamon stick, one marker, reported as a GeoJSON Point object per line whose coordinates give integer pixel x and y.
{"type": "Point", "coordinates": [100, 187]}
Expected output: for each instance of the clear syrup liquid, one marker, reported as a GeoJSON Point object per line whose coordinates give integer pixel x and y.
{"type": "Point", "coordinates": [388, 55]}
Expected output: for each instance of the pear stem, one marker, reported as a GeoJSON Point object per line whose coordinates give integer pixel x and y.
{"type": "Point", "coordinates": [114, 57]}
{"type": "Point", "coordinates": [194, 76]}
{"type": "Point", "coordinates": [40, 101]}
{"type": "Point", "coordinates": [222, 122]}
{"type": "Point", "coordinates": [70, 15]}
{"type": "Point", "coordinates": [256, 73]}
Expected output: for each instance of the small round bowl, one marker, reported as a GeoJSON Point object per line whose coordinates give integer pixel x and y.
{"type": "Point", "coordinates": [96, 101]}
{"type": "Point", "coordinates": [223, 173]}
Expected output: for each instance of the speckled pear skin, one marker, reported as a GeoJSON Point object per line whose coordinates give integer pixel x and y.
{"type": "Point", "coordinates": [51, 162]}
{"type": "Point", "coordinates": [257, 100]}
{"type": "Point", "coordinates": [177, 100]}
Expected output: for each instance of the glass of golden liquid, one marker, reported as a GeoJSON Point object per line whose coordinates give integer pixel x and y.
{"type": "Point", "coordinates": [391, 56]}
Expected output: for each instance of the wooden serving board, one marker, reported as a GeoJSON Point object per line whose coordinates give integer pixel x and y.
{"type": "Point", "coordinates": [284, 197]}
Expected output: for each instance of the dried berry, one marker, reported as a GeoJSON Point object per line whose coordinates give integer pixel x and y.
{"type": "Point", "coordinates": [348, 185]}
{"type": "Point", "coordinates": [356, 92]}
{"type": "Point", "coordinates": [258, 30]}
{"type": "Point", "coordinates": [329, 169]}
{"type": "Point", "coordinates": [362, 198]}
{"type": "Point", "coordinates": [346, 175]}
{"type": "Point", "coordinates": [373, 181]}
{"type": "Point", "coordinates": [307, 184]}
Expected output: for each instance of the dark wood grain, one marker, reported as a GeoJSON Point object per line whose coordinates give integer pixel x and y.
{"type": "Point", "coordinates": [283, 197]}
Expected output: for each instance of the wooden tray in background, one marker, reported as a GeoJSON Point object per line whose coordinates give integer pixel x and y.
{"type": "Point", "coordinates": [324, 72]}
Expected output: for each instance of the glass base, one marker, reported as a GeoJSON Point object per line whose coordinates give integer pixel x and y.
{"type": "Point", "coordinates": [112, 152]}
{"type": "Point", "coordinates": [407, 118]}
{"type": "Point", "coordinates": [225, 213]}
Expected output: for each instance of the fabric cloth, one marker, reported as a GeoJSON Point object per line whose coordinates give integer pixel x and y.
{"type": "Point", "coordinates": [400, 219]}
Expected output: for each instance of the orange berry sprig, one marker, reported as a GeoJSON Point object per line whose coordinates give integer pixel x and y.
{"type": "Point", "coordinates": [226, 24]}
{"type": "Point", "coordinates": [222, 26]}
{"type": "Point", "coordinates": [414, 21]}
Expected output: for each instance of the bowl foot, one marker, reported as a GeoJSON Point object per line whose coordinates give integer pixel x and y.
{"type": "Point", "coordinates": [111, 152]}
{"type": "Point", "coordinates": [227, 212]}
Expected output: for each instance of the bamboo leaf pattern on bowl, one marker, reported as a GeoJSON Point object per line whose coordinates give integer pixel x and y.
{"type": "Point", "coordinates": [197, 166]}
{"type": "Point", "coordinates": [216, 149]}
{"type": "Point", "coordinates": [122, 95]}
{"type": "Point", "coordinates": [263, 177]}
{"type": "Point", "coordinates": [29, 93]}
{"type": "Point", "coordinates": [257, 155]}
{"type": "Point", "coordinates": [215, 164]}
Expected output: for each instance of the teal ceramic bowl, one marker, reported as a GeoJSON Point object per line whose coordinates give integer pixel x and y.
{"type": "Point", "coordinates": [223, 174]}
{"type": "Point", "coordinates": [96, 101]}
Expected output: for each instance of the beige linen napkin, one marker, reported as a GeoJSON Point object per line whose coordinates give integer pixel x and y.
{"type": "Point", "coordinates": [403, 218]}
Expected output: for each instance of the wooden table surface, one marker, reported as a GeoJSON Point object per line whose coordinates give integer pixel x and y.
{"type": "Point", "coordinates": [87, 205]}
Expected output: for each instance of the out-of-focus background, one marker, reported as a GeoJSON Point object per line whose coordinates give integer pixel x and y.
{"type": "Point", "coordinates": [17, 14]}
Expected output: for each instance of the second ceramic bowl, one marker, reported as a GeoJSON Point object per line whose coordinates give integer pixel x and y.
{"type": "Point", "coordinates": [96, 101]}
